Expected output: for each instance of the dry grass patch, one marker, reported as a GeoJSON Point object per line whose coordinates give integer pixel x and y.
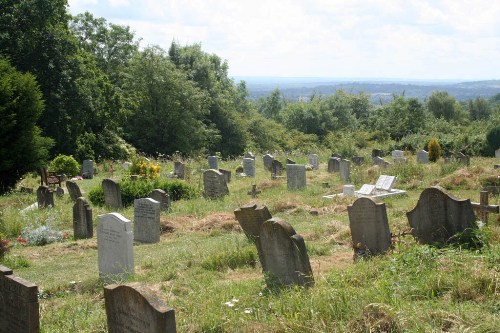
{"type": "Point", "coordinates": [217, 221]}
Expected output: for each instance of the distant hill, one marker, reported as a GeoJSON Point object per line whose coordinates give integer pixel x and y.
{"type": "Point", "coordinates": [380, 90]}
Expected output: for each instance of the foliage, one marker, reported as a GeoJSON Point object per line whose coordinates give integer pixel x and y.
{"type": "Point", "coordinates": [96, 196]}
{"type": "Point", "coordinates": [234, 259]}
{"type": "Point", "coordinates": [434, 150]}
{"type": "Point", "coordinates": [5, 246]}
{"type": "Point", "coordinates": [42, 235]}
{"type": "Point", "coordinates": [441, 105]}
{"type": "Point", "coordinates": [493, 140]}
{"type": "Point", "coordinates": [144, 168]}
{"type": "Point", "coordinates": [479, 109]}
{"type": "Point", "coordinates": [64, 164]}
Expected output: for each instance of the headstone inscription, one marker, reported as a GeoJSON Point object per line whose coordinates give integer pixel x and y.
{"type": "Point", "coordinates": [115, 249]}
{"type": "Point", "coordinates": [112, 193]}
{"type": "Point", "coordinates": [276, 169]}
{"type": "Point", "coordinates": [422, 157]}
{"type": "Point", "coordinates": [88, 169]}
{"type": "Point", "coordinates": [214, 185]}
{"type": "Point", "coordinates": [73, 189]}
{"type": "Point", "coordinates": [249, 167]}
{"type": "Point", "coordinates": [268, 161]}
{"type": "Point", "coordinates": [251, 217]}
{"type": "Point", "coordinates": [83, 227]}
{"type": "Point", "coordinates": [213, 162]}
{"type": "Point", "coordinates": [295, 176]}
{"type": "Point", "coordinates": [146, 220]}
{"type": "Point", "coordinates": [314, 161]}
{"type": "Point", "coordinates": [162, 197]}
{"type": "Point", "coordinates": [134, 307]}
{"type": "Point", "coordinates": [369, 227]}
{"type": "Point", "coordinates": [226, 174]}
{"type": "Point", "coordinates": [18, 304]}
{"type": "Point", "coordinates": [44, 197]}
{"type": "Point", "coordinates": [283, 254]}
{"type": "Point", "coordinates": [438, 217]}
{"type": "Point", "coordinates": [345, 171]}
{"type": "Point", "coordinates": [179, 170]}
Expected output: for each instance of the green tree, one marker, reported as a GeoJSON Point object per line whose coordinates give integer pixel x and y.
{"type": "Point", "coordinates": [479, 109]}
{"type": "Point", "coordinates": [434, 150]}
{"type": "Point", "coordinates": [272, 105]}
{"type": "Point", "coordinates": [441, 105]}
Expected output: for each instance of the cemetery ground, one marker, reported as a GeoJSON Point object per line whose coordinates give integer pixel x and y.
{"type": "Point", "coordinates": [205, 268]}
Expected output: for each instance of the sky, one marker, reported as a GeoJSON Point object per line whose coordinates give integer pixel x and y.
{"type": "Point", "coordinates": [407, 39]}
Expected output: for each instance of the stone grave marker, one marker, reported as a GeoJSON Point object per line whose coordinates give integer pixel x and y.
{"type": "Point", "coordinates": [398, 156]}
{"type": "Point", "coordinates": [385, 183]}
{"type": "Point", "coordinates": [369, 227]}
{"type": "Point", "coordinates": [337, 155]}
{"type": "Point", "coordinates": [162, 197]}
{"type": "Point", "coordinates": [289, 161]}
{"type": "Point", "coordinates": [112, 194]}
{"type": "Point", "coordinates": [254, 191]}
{"type": "Point", "coordinates": [18, 304]}
{"type": "Point", "coordinates": [44, 197]}
{"type": "Point", "coordinates": [179, 170]}
{"type": "Point", "coordinates": [250, 155]}
{"type": "Point", "coordinates": [73, 190]}
{"type": "Point", "coordinates": [133, 307]}
{"type": "Point", "coordinates": [463, 159]}
{"type": "Point", "coordinates": [366, 190]}
{"type": "Point", "coordinates": [83, 227]}
{"type": "Point", "coordinates": [214, 185]}
{"type": "Point", "coordinates": [251, 217]}
{"type": "Point", "coordinates": [60, 192]}
{"type": "Point", "coordinates": [295, 176]}
{"type": "Point", "coordinates": [438, 216]}
{"type": "Point", "coordinates": [213, 162]}
{"type": "Point", "coordinates": [348, 190]}
{"type": "Point", "coordinates": [483, 208]}
{"type": "Point", "coordinates": [146, 220]}
{"type": "Point", "coordinates": [377, 153]}
{"type": "Point", "coordinates": [276, 169]}
{"type": "Point", "coordinates": [380, 162]}
{"type": "Point", "coordinates": [268, 161]}
{"type": "Point", "coordinates": [497, 153]}
{"type": "Point", "coordinates": [422, 157]}
{"type": "Point", "coordinates": [226, 174]}
{"type": "Point", "coordinates": [88, 169]}
{"type": "Point", "coordinates": [283, 254]}
{"type": "Point", "coordinates": [115, 249]}
{"type": "Point", "coordinates": [314, 161]}
{"type": "Point", "coordinates": [345, 171]}
{"type": "Point", "coordinates": [358, 160]}
{"type": "Point", "coordinates": [249, 167]}
{"type": "Point", "coordinates": [333, 164]}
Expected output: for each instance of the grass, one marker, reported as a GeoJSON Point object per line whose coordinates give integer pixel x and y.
{"type": "Point", "coordinates": [204, 260]}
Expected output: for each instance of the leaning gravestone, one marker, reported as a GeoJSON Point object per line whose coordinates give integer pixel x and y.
{"type": "Point", "coordinates": [146, 220]}
{"type": "Point", "coordinates": [83, 226]}
{"type": "Point", "coordinates": [162, 197]}
{"type": "Point", "coordinates": [295, 176]}
{"type": "Point", "coordinates": [112, 194]}
{"type": "Point", "coordinates": [44, 197]}
{"type": "Point", "coordinates": [134, 307]}
{"type": "Point", "coordinates": [369, 227]}
{"type": "Point", "coordinates": [226, 174]}
{"type": "Point", "coordinates": [438, 217]}
{"type": "Point", "coordinates": [268, 161]}
{"type": "Point", "coordinates": [179, 170]}
{"type": "Point", "coordinates": [213, 162]}
{"type": "Point", "coordinates": [214, 185]}
{"type": "Point", "coordinates": [18, 304]}
{"type": "Point", "coordinates": [283, 254]}
{"type": "Point", "coordinates": [314, 161]}
{"type": "Point", "coordinates": [385, 183]}
{"type": "Point", "coordinates": [73, 190]}
{"type": "Point", "coordinates": [345, 171]}
{"type": "Point", "coordinates": [276, 168]}
{"type": "Point", "coordinates": [463, 159]}
{"type": "Point", "coordinates": [380, 162]}
{"type": "Point", "coordinates": [251, 217]}
{"type": "Point", "coordinates": [115, 249]}
{"type": "Point", "coordinates": [422, 157]}
{"type": "Point", "coordinates": [249, 167]}
{"type": "Point", "coordinates": [88, 169]}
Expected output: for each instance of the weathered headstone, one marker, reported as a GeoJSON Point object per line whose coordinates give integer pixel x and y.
{"type": "Point", "coordinates": [283, 254]}
{"type": "Point", "coordinates": [333, 164]}
{"type": "Point", "coordinates": [115, 249]}
{"type": "Point", "coordinates": [377, 153]}
{"type": "Point", "coordinates": [214, 185]}
{"type": "Point", "coordinates": [18, 304]}
{"type": "Point", "coordinates": [380, 162]}
{"type": "Point", "coordinates": [134, 308]}
{"type": "Point", "coordinates": [295, 176]}
{"type": "Point", "coordinates": [162, 197]}
{"type": "Point", "coordinates": [73, 190]}
{"type": "Point", "coordinates": [83, 227]}
{"type": "Point", "coordinates": [251, 217]}
{"type": "Point", "coordinates": [369, 227]}
{"type": "Point", "coordinates": [226, 174]}
{"type": "Point", "coordinates": [438, 217]}
{"type": "Point", "coordinates": [44, 197]}
{"type": "Point", "coordinates": [213, 162]}
{"type": "Point", "coordinates": [422, 157]}
{"type": "Point", "coordinates": [250, 155]}
{"type": "Point", "coordinates": [463, 159]}
{"type": "Point", "coordinates": [366, 190]}
{"type": "Point", "coordinates": [398, 156]}
{"type": "Point", "coordinates": [60, 192]}
{"type": "Point", "coordinates": [289, 161]}
{"type": "Point", "coordinates": [112, 194]}
{"type": "Point", "coordinates": [88, 169]}
{"type": "Point", "coordinates": [146, 220]}
{"type": "Point", "coordinates": [276, 168]}
{"type": "Point", "coordinates": [385, 183]}
{"type": "Point", "coordinates": [358, 160]}
{"type": "Point", "coordinates": [268, 161]}
{"type": "Point", "coordinates": [348, 190]}
{"type": "Point", "coordinates": [179, 170]}
{"type": "Point", "coordinates": [314, 161]}
{"type": "Point", "coordinates": [345, 171]}
{"type": "Point", "coordinates": [249, 167]}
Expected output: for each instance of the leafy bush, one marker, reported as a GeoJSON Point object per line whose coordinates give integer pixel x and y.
{"type": "Point", "coordinates": [65, 164]}
{"type": "Point", "coordinates": [493, 140]}
{"type": "Point", "coordinates": [144, 168]}
{"type": "Point", "coordinates": [434, 150]}
{"type": "Point", "coordinates": [42, 235]}
{"type": "Point", "coordinates": [96, 196]}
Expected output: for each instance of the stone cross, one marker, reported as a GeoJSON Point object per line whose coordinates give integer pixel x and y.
{"type": "Point", "coordinates": [483, 207]}
{"type": "Point", "coordinates": [254, 191]}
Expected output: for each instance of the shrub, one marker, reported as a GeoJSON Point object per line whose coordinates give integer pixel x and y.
{"type": "Point", "coordinates": [144, 168]}
{"type": "Point", "coordinates": [493, 140]}
{"type": "Point", "coordinates": [434, 150]}
{"type": "Point", "coordinates": [96, 196]}
{"type": "Point", "coordinates": [42, 235]}
{"type": "Point", "coordinates": [65, 164]}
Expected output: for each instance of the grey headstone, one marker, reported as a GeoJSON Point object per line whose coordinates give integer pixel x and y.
{"type": "Point", "coordinates": [438, 217]}
{"type": "Point", "coordinates": [345, 171]}
{"type": "Point", "coordinates": [369, 227]}
{"type": "Point", "coordinates": [88, 169]}
{"type": "Point", "coordinates": [134, 307]}
{"type": "Point", "coordinates": [289, 161]}
{"type": "Point", "coordinates": [112, 194]}
{"type": "Point", "coordinates": [18, 304]}
{"type": "Point", "coordinates": [115, 249]}
{"type": "Point", "coordinates": [380, 162]}
{"type": "Point", "coordinates": [463, 159]}
{"type": "Point", "coordinates": [268, 161]}
{"type": "Point", "coordinates": [249, 167]}
{"type": "Point", "coordinates": [250, 155]}
{"type": "Point", "coordinates": [60, 192]}
{"type": "Point", "coordinates": [73, 190]}
{"type": "Point", "coordinates": [398, 154]}
{"type": "Point", "coordinates": [283, 254]}
{"type": "Point", "coordinates": [214, 184]}
{"type": "Point", "coordinates": [162, 197]}
{"type": "Point", "coordinates": [277, 168]}
{"type": "Point", "coordinates": [213, 162]}
{"type": "Point", "coordinates": [179, 170]}
{"type": "Point", "coordinates": [251, 217]}
{"type": "Point", "coordinates": [385, 183]}
{"type": "Point", "coordinates": [366, 189]}
{"type": "Point", "coordinates": [314, 161]}
{"type": "Point", "coordinates": [337, 155]}
{"type": "Point", "coordinates": [295, 177]}
{"type": "Point", "coordinates": [377, 153]}
{"type": "Point", "coordinates": [422, 157]}
{"type": "Point", "coordinates": [83, 227]}
{"type": "Point", "coordinates": [358, 160]}
{"type": "Point", "coordinates": [227, 175]}
{"type": "Point", "coordinates": [348, 190]}
{"type": "Point", "coordinates": [146, 220]}
{"type": "Point", "coordinates": [44, 197]}
{"type": "Point", "coordinates": [333, 164]}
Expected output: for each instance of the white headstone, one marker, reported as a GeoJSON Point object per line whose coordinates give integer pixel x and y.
{"type": "Point", "coordinates": [146, 220]}
{"type": "Point", "coordinates": [366, 189]}
{"type": "Point", "coordinates": [385, 183]}
{"type": "Point", "coordinates": [348, 190]}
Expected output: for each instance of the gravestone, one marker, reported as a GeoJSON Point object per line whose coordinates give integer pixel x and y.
{"type": "Point", "coordinates": [254, 191]}
{"type": "Point", "coordinates": [73, 190]}
{"type": "Point", "coordinates": [348, 190]}
{"type": "Point", "coordinates": [214, 185]}
{"type": "Point", "coordinates": [213, 162]}
{"type": "Point", "coordinates": [463, 159]}
{"type": "Point", "coordinates": [289, 161]}
{"type": "Point", "coordinates": [18, 304]}
{"type": "Point", "coordinates": [162, 197]}
{"type": "Point", "coordinates": [497, 153]}
{"type": "Point", "coordinates": [366, 190]}
{"type": "Point", "coordinates": [250, 155]}
{"type": "Point", "coordinates": [337, 155]}
{"type": "Point", "coordinates": [283, 254]}
{"type": "Point", "coordinates": [385, 183]}
{"type": "Point", "coordinates": [483, 207]}
{"type": "Point", "coordinates": [83, 227]}
{"type": "Point", "coordinates": [380, 162]}
{"type": "Point", "coordinates": [422, 157]}
{"type": "Point", "coordinates": [249, 167]}
{"type": "Point", "coordinates": [268, 161]}
{"type": "Point", "coordinates": [226, 174]}
{"type": "Point", "coordinates": [314, 161]}
{"type": "Point", "coordinates": [146, 220]}
{"type": "Point", "coordinates": [369, 227]}
{"type": "Point", "coordinates": [88, 169]}
{"type": "Point", "coordinates": [438, 216]}
{"type": "Point", "coordinates": [358, 160]}
{"type": "Point", "coordinates": [377, 153]}
{"type": "Point", "coordinates": [398, 156]}
{"type": "Point", "coordinates": [115, 249]}
{"type": "Point", "coordinates": [179, 170]}
{"type": "Point", "coordinates": [333, 164]}
{"type": "Point", "coordinates": [295, 176]}
{"type": "Point", "coordinates": [112, 194]}
{"type": "Point", "coordinates": [276, 168]}
{"type": "Point", "coordinates": [251, 217]}
{"type": "Point", "coordinates": [345, 171]}
{"type": "Point", "coordinates": [44, 197]}
{"type": "Point", "coordinates": [134, 307]}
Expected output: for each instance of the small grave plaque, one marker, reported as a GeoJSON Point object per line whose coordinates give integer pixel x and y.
{"type": "Point", "coordinates": [249, 167]}
{"type": "Point", "coordinates": [73, 190]}
{"type": "Point", "coordinates": [214, 184]}
{"type": "Point", "coordinates": [112, 194]}
{"type": "Point", "coordinates": [295, 176]}
{"type": "Point", "coordinates": [366, 190]}
{"type": "Point", "coordinates": [385, 183]}
{"type": "Point", "coordinates": [162, 197]}
{"type": "Point", "coordinates": [146, 220]}
{"type": "Point", "coordinates": [348, 190]}
{"type": "Point", "coordinates": [398, 156]}
{"type": "Point", "coordinates": [45, 197]}
{"type": "Point", "coordinates": [251, 217]}
{"type": "Point", "coordinates": [83, 226]}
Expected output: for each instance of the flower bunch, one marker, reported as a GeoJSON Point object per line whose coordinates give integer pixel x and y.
{"type": "Point", "coordinates": [5, 246]}
{"type": "Point", "coordinates": [145, 168]}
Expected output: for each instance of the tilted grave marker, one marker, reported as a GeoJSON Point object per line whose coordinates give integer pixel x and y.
{"type": "Point", "coordinates": [146, 220]}
{"type": "Point", "coordinates": [83, 226]}
{"type": "Point", "coordinates": [214, 185]}
{"type": "Point", "coordinates": [162, 197]}
{"type": "Point", "coordinates": [226, 174]}
{"type": "Point", "coordinates": [385, 183]}
{"type": "Point", "coordinates": [73, 190]}
{"type": "Point", "coordinates": [268, 161]}
{"type": "Point", "coordinates": [112, 193]}
{"type": "Point", "coordinates": [251, 217]}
